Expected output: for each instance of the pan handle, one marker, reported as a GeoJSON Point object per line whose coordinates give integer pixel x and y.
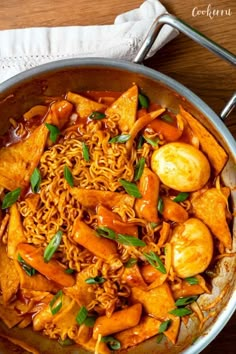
{"type": "Point", "coordinates": [194, 35]}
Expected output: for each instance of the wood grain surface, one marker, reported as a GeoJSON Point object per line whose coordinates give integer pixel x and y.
{"type": "Point", "coordinates": [209, 77]}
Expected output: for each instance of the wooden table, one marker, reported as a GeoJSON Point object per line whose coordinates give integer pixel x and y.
{"type": "Point", "coordinates": [209, 77]}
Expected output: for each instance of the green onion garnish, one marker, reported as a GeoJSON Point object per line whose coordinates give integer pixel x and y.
{"type": "Point", "coordinates": [54, 132]}
{"type": "Point", "coordinates": [85, 152]}
{"type": "Point", "coordinates": [154, 142]}
{"type": "Point", "coordinates": [97, 115]}
{"type": "Point", "coordinates": [130, 188]}
{"type": "Point", "coordinates": [35, 180]}
{"type": "Point", "coordinates": [68, 176]}
{"type": "Point", "coordinates": [164, 326]}
{"type": "Point", "coordinates": [167, 118]}
{"type": "Point", "coordinates": [180, 312]}
{"type": "Point", "coordinates": [106, 232]}
{"type": "Point", "coordinates": [27, 268]}
{"type": "Point", "coordinates": [130, 263]}
{"type": "Point", "coordinates": [153, 224]}
{"type": "Point", "coordinates": [89, 321]}
{"type": "Point", "coordinates": [160, 205]}
{"type": "Point", "coordinates": [143, 101]}
{"type": "Point", "coordinates": [10, 198]}
{"type": "Point", "coordinates": [155, 261]}
{"type": "Point", "coordinates": [183, 301]}
{"type": "Point", "coordinates": [130, 240]}
{"type": "Point", "coordinates": [81, 315]}
{"type": "Point", "coordinates": [140, 142]}
{"type": "Point", "coordinates": [120, 138]}
{"type": "Point", "coordinates": [66, 342]}
{"type": "Point", "coordinates": [181, 197]}
{"type": "Point", "coordinates": [159, 338]}
{"type": "Point", "coordinates": [138, 171]}
{"type": "Point", "coordinates": [57, 298]}
{"type": "Point", "coordinates": [95, 280]}
{"type": "Point", "coordinates": [52, 246]}
{"type": "Point", "coordinates": [112, 342]}
{"type": "Point", "coordinates": [69, 271]}
{"type": "Point", "coordinates": [192, 280]}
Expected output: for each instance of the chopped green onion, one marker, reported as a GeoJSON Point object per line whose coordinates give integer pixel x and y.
{"type": "Point", "coordinates": [153, 224]}
{"type": "Point", "coordinates": [130, 188]}
{"type": "Point", "coordinates": [57, 298]}
{"type": "Point", "coordinates": [155, 261]}
{"type": "Point", "coordinates": [106, 232]}
{"type": "Point", "coordinates": [138, 171]}
{"type": "Point", "coordinates": [35, 180]}
{"type": "Point", "coordinates": [27, 268]}
{"type": "Point", "coordinates": [85, 152]}
{"type": "Point", "coordinates": [194, 340]}
{"type": "Point", "coordinates": [164, 326]}
{"type": "Point", "coordinates": [143, 101]}
{"type": "Point", "coordinates": [54, 132]}
{"type": "Point", "coordinates": [183, 301]}
{"type": "Point", "coordinates": [192, 280]}
{"type": "Point", "coordinates": [159, 338]}
{"type": "Point", "coordinates": [130, 241]}
{"type": "Point", "coordinates": [120, 138]}
{"type": "Point", "coordinates": [69, 271]}
{"type": "Point", "coordinates": [97, 115]}
{"type": "Point", "coordinates": [68, 176]}
{"type": "Point", "coordinates": [52, 246]}
{"type": "Point", "coordinates": [180, 312]}
{"type": "Point", "coordinates": [82, 315]}
{"type": "Point", "coordinates": [66, 342]}
{"type": "Point", "coordinates": [130, 263]}
{"type": "Point", "coordinates": [140, 142]}
{"type": "Point", "coordinates": [160, 205]}
{"type": "Point", "coordinates": [112, 342]}
{"type": "Point", "coordinates": [10, 198]}
{"type": "Point", "coordinates": [95, 280]}
{"type": "Point", "coordinates": [167, 118]}
{"type": "Point", "coordinates": [154, 142]}
{"type": "Point", "coordinates": [90, 320]}
{"type": "Point", "coordinates": [181, 197]}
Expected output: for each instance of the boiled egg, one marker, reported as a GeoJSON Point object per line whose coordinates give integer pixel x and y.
{"type": "Point", "coordinates": [181, 166]}
{"type": "Point", "coordinates": [192, 248]}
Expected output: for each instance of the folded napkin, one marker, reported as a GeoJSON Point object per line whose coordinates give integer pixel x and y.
{"type": "Point", "coordinates": [22, 49]}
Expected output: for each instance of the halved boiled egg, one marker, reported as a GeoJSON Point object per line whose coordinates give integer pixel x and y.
{"type": "Point", "coordinates": [192, 248]}
{"type": "Point", "coordinates": [181, 166]}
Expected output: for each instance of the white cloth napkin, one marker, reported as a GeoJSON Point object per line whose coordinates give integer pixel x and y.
{"type": "Point", "coordinates": [21, 49]}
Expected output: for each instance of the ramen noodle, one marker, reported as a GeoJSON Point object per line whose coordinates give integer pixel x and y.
{"type": "Point", "coordinates": [108, 224]}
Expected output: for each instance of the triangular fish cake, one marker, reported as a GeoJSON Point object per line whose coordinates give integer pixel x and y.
{"type": "Point", "coordinates": [84, 106]}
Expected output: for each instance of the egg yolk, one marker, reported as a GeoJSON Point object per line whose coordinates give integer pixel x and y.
{"type": "Point", "coordinates": [192, 248]}
{"type": "Point", "coordinates": [181, 166]}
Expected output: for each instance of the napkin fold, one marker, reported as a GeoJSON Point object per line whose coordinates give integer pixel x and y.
{"type": "Point", "coordinates": [21, 49]}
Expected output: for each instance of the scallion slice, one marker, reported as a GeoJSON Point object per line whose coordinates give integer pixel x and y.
{"type": "Point", "coordinates": [52, 246]}
{"type": "Point", "coordinates": [69, 271]}
{"type": "Point", "coordinates": [95, 280]}
{"type": "Point", "coordinates": [85, 151]}
{"type": "Point", "coordinates": [112, 342]}
{"type": "Point", "coordinates": [164, 326]}
{"type": "Point", "coordinates": [138, 171]}
{"type": "Point", "coordinates": [183, 301]}
{"type": "Point", "coordinates": [155, 261]}
{"type": "Point", "coordinates": [143, 101]}
{"type": "Point", "coordinates": [35, 180]}
{"type": "Point", "coordinates": [167, 118]}
{"type": "Point", "coordinates": [181, 197]}
{"type": "Point", "coordinates": [89, 321]}
{"type": "Point", "coordinates": [56, 302]}
{"type": "Point", "coordinates": [130, 240]}
{"type": "Point", "coordinates": [27, 268]}
{"type": "Point", "coordinates": [160, 205]}
{"type": "Point", "coordinates": [130, 188]}
{"type": "Point", "coordinates": [154, 142]}
{"type": "Point", "coordinates": [81, 315]}
{"type": "Point", "coordinates": [131, 262]}
{"type": "Point", "coordinates": [66, 342]}
{"type": "Point", "coordinates": [159, 338]}
{"type": "Point", "coordinates": [140, 142]}
{"type": "Point", "coordinates": [54, 132]}
{"type": "Point", "coordinates": [10, 198]}
{"type": "Point", "coordinates": [180, 312]}
{"type": "Point", "coordinates": [97, 115]}
{"type": "Point", "coordinates": [106, 232]}
{"type": "Point", "coordinates": [68, 176]}
{"type": "Point", "coordinates": [192, 280]}
{"type": "Point", "coordinates": [120, 138]}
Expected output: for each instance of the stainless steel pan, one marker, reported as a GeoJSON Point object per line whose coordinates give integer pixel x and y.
{"type": "Point", "coordinates": [28, 88]}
